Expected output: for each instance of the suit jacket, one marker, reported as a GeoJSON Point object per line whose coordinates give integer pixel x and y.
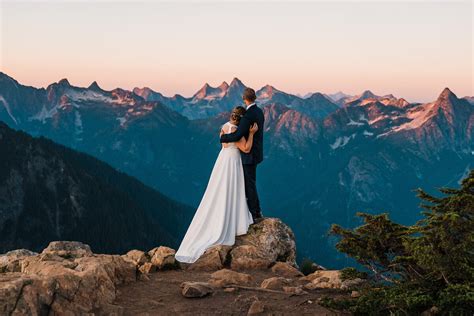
{"type": "Point", "coordinates": [253, 115]}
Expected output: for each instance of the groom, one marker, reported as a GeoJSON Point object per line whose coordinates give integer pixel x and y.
{"type": "Point", "coordinates": [250, 161]}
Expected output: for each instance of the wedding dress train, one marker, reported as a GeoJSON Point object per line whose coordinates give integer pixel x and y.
{"type": "Point", "coordinates": [223, 212]}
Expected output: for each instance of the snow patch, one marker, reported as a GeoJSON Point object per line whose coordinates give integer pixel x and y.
{"type": "Point", "coordinates": [418, 116]}
{"type": "Point", "coordinates": [7, 108]}
{"type": "Point", "coordinates": [78, 121]}
{"type": "Point", "coordinates": [44, 114]}
{"type": "Point", "coordinates": [352, 122]}
{"type": "Point", "coordinates": [78, 124]}
{"type": "Point", "coordinates": [342, 141]}
{"type": "Point", "coordinates": [88, 95]}
{"type": "Point", "coordinates": [379, 118]}
{"type": "Point", "coordinates": [122, 120]}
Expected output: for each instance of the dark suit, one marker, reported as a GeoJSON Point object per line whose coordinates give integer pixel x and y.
{"type": "Point", "coordinates": [250, 161]}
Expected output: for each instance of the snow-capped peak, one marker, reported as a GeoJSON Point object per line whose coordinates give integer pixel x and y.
{"type": "Point", "coordinates": [210, 93]}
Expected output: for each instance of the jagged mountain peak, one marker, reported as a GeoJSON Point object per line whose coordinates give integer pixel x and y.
{"type": "Point", "coordinates": [318, 95]}
{"type": "Point", "coordinates": [224, 85]}
{"type": "Point", "coordinates": [95, 86]}
{"type": "Point", "coordinates": [210, 93]}
{"type": "Point", "coordinates": [446, 94]}
{"type": "Point", "coordinates": [268, 91]}
{"type": "Point", "coordinates": [389, 96]}
{"type": "Point", "coordinates": [236, 83]}
{"type": "Point", "coordinates": [64, 82]}
{"type": "Point", "coordinates": [268, 87]}
{"type": "Point", "coordinates": [402, 102]}
{"type": "Point", "coordinates": [367, 94]}
{"type": "Point", "coordinates": [338, 96]}
{"type": "Point", "coordinates": [137, 89]}
{"type": "Point", "coordinates": [143, 90]}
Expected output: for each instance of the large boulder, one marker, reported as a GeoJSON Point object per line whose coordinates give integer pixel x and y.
{"type": "Point", "coordinates": [275, 283]}
{"type": "Point", "coordinates": [68, 249]}
{"type": "Point", "coordinates": [266, 243]}
{"type": "Point", "coordinates": [226, 277]}
{"type": "Point", "coordinates": [269, 240]}
{"type": "Point", "coordinates": [214, 258]}
{"type": "Point", "coordinates": [10, 262]}
{"type": "Point", "coordinates": [286, 270]}
{"type": "Point", "coordinates": [323, 279]}
{"type": "Point", "coordinates": [196, 289]}
{"type": "Point", "coordinates": [248, 257]}
{"type": "Point", "coordinates": [138, 257]}
{"type": "Point", "coordinates": [163, 258]}
{"type": "Point", "coordinates": [64, 280]}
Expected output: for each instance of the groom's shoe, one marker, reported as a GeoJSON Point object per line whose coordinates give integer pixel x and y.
{"type": "Point", "coordinates": [258, 218]}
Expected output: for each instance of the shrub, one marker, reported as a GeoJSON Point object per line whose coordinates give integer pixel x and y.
{"type": "Point", "coordinates": [352, 273]}
{"type": "Point", "coordinates": [308, 266]}
{"type": "Point", "coordinates": [430, 263]}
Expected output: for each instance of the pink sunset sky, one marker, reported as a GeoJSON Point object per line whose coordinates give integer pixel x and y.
{"type": "Point", "coordinates": [412, 49]}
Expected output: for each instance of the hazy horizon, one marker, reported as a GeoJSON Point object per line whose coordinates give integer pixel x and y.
{"type": "Point", "coordinates": [410, 49]}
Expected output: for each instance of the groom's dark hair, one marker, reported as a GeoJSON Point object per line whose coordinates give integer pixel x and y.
{"type": "Point", "coordinates": [249, 95]}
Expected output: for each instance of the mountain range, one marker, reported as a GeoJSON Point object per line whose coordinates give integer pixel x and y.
{"type": "Point", "coordinates": [326, 156]}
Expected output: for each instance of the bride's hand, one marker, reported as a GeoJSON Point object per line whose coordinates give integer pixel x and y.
{"type": "Point", "coordinates": [253, 128]}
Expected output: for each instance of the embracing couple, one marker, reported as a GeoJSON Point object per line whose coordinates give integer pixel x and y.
{"type": "Point", "coordinates": [230, 204]}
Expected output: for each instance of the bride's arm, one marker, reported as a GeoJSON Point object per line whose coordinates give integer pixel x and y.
{"type": "Point", "coordinates": [246, 145]}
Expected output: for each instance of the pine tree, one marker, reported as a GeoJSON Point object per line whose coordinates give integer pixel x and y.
{"type": "Point", "coordinates": [429, 265]}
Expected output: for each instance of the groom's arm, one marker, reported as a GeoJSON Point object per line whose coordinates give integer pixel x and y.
{"type": "Point", "coordinates": [241, 131]}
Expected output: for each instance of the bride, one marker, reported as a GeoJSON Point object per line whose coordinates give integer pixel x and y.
{"type": "Point", "coordinates": [223, 212]}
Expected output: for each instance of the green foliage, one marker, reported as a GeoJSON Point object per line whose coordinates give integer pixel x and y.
{"type": "Point", "coordinates": [333, 303]}
{"type": "Point", "coordinates": [308, 266]}
{"type": "Point", "coordinates": [417, 267]}
{"type": "Point", "coordinates": [351, 273]}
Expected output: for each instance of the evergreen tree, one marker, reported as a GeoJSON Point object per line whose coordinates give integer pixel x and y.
{"type": "Point", "coordinates": [429, 265]}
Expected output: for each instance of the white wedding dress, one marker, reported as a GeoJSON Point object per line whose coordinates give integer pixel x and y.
{"type": "Point", "coordinates": [223, 212]}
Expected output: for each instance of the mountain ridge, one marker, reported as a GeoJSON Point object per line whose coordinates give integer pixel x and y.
{"type": "Point", "coordinates": [323, 160]}
{"type": "Point", "coordinates": [63, 194]}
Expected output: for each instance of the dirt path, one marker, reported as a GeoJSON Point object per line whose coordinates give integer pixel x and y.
{"type": "Point", "coordinates": [161, 295]}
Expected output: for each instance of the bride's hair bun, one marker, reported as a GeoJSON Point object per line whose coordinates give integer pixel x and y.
{"type": "Point", "coordinates": [237, 113]}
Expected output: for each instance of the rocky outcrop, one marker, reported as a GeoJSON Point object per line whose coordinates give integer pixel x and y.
{"type": "Point", "coordinates": [286, 270]}
{"type": "Point", "coordinates": [226, 277]}
{"type": "Point", "coordinates": [330, 279]}
{"type": "Point", "coordinates": [66, 278]}
{"type": "Point", "coordinates": [275, 283]}
{"type": "Point", "coordinates": [163, 258]}
{"type": "Point", "coordinates": [196, 289]}
{"type": "Point", "coordinates": [10, 262]}
{"type": "Point", "coordinates": [213, 259]}
{"type": "Point", "coordinates": [266, 243]}
{"type": "Point", "coordinates": [68, 249]}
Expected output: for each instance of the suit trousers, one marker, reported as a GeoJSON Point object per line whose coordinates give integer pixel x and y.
{"type": "Point", "coordinates": [250, 177]}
